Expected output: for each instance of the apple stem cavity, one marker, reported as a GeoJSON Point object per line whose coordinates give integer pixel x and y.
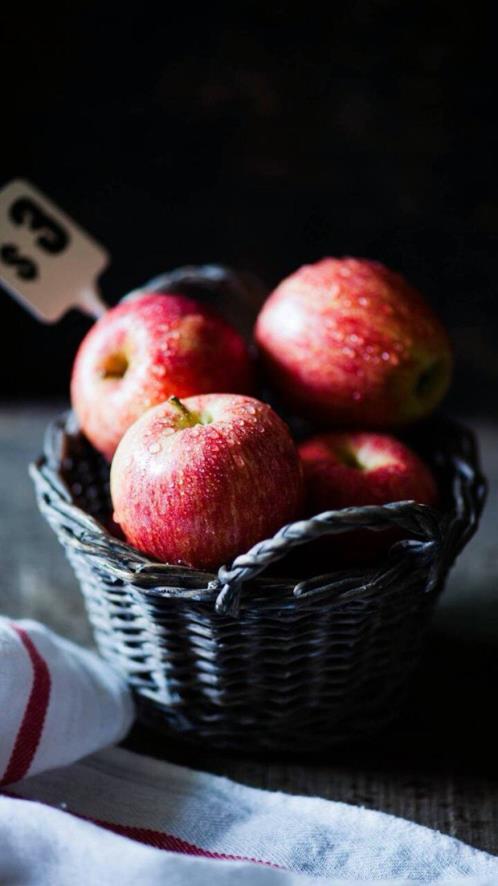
{"type": "Point", "coordinates": [189, 419]}
{"type": "Point", "coordinates": [115, 367]}
{"type": "Point", "coordinates": [350, 459]}
{"type": "Point", "coordinates": [429, 379]}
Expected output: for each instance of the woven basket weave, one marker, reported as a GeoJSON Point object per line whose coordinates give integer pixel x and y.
{"type": "Point", "coordinates": [244, 659]}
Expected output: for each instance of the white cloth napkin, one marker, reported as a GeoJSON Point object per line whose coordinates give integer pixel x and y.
{"type": "Point", "coordinates": [207, 829]}
{"type": "Point", "coordinates": [58, 702]}
{"type": "Point", "coordinates": [117, 817]}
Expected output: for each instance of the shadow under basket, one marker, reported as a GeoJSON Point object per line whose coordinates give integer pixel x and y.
{"type": "Point", "coordinates": [244, 660]}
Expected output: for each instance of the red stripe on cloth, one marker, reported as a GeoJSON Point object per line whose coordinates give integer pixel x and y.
{"type": "Point", "coordinates": [162, 840]}
{"type": "Point", "coordinates": [31, 728]}
{"type": "Point", "coordinates": [156, 839]}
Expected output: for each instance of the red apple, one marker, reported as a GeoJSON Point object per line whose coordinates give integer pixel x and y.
{"type": "Point", "coordinates": [346, 469]}
{"type": "Point", "coordinates": [146, 350]}
{"type": "Point", "coordinates": [201, 480]}
{"type": "Point", "coordinates": [349, 469]}
{"type": "Point", "coordinates": [349, 342]}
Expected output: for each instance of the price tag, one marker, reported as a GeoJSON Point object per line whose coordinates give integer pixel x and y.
{"type": "Point", "coordinates": [46, 260]}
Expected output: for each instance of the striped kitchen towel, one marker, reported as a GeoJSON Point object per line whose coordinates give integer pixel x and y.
{"type": "Point", "coordinates": [115, 817]}
{"type": "Point", "coordinates": [58, 702]}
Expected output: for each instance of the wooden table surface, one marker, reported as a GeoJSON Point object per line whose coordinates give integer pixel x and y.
{"type": "Point", "coordinates": [438, 766]}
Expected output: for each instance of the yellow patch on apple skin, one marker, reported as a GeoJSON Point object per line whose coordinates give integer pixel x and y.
{"type": "Point", "coordinates": [371, 458]}
{"type": "Point", "coordinates": [366, 457]}
{"type": "Point", "coordinates": [190, 332]}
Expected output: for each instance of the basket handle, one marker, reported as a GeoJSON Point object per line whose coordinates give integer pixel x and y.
{"type": "Point", "coordinates": [419, 521]}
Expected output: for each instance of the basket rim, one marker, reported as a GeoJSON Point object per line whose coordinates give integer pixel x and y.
{"type": "Point", "coordinates": [437, 529]}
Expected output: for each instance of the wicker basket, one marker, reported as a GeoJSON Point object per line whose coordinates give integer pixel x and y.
{"type": "Point", "coordinates": [244, 659]}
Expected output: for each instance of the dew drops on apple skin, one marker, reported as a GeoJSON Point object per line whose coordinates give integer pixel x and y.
{"type": "Point", "coordinates": [154, 448]}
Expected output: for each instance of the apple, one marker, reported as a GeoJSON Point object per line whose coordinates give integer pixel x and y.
{"type": "Point", "coordinates": [355, 468]}
{"type": "Point", "coordinates": [200, 480]}
{"type": "Point", "coordinates": [145, 350]}
{"type": "Point", "coordinates": [348, 342]}
{"type": "Point", "coordinates": [346, 469]}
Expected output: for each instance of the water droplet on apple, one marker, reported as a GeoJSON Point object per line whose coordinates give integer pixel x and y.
{"type": "Point", "coordinates": [239, 460]}
{"type": "Point", "coordinates": [357, 395]}
{"type": "Point", "coordinates": [386, 356]}
{"type": "Point", "coordinates": [363, 301]}
{"type": "Point", "coordinates": [154, 448]}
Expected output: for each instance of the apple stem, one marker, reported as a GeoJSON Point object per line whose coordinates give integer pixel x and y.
{"type": "Point", "coordinates": [182, 409]}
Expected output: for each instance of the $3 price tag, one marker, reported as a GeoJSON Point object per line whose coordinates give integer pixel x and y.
{"type": "Point", "coordinates": [46, 260]}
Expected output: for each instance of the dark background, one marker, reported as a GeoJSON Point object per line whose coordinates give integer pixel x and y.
{"type": "Point", "coordinates": [261, 137]}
